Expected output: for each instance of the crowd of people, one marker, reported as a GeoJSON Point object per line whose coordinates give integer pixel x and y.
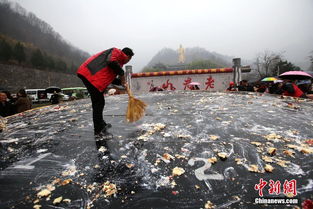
{"type": "Point", "coordinates": [10, 105]}
{"type": "Point", "coordinates": [300, 89]}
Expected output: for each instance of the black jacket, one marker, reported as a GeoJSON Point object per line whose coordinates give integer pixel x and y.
{"type": "Point", "coordinates": [6, 109]}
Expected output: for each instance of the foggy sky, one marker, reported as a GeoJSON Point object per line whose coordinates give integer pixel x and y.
{"type": "Point", "coordinates": [239, 28]}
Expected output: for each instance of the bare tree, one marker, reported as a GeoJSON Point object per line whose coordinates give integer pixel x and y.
{"type": "Point", "coordinates": [311, 60]}
{"type": "Point", "coordinates": [266, 63]}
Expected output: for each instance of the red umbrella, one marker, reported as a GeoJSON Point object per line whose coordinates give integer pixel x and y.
{"type": "Point", "coordinates": [295, 75]}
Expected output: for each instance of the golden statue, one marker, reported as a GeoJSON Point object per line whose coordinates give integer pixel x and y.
{"type": "Point", "coordinates": [181, 55]}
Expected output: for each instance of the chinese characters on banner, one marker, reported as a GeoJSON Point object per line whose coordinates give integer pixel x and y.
{"type": "Point", "coordinates": [170, 86]}
{"type": "Point", "coordinates": [289, 187]}
{"type": "Point", "coordinates": [186, 82]}
{"type": "Point", "coordinates": [209, 83]}
{"type": "Point", "coordinates": [167, 85]}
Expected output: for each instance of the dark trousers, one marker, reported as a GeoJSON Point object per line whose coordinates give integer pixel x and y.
{"type": "Point", "coordinates": [98, 102]}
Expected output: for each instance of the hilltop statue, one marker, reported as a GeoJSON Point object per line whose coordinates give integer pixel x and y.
{"type": "Point", "coordinates": [181, 55]}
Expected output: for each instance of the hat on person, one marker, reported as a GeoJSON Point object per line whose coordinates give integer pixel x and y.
{"type": "Point", "coordinates": [128, 51]}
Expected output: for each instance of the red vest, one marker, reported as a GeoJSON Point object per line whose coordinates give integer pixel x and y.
{"type": "Point", "coordinates": [96, 70]}
{"type": "Point", "coordinates": [297, 93]}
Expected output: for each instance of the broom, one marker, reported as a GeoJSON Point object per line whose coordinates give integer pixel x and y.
{"type": "Point", "coordinates": [135, 109]}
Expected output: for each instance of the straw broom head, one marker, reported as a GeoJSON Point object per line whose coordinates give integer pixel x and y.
{"type": "Point", "coordinates": [135, 109]}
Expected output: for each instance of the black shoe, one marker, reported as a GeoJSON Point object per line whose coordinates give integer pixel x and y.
{"type": "Point", "coordinates": [107, 126]}
{"type": "Point", "coordinates": [101, 143]}
{"type": "Point", "coordinates": [103, 135]}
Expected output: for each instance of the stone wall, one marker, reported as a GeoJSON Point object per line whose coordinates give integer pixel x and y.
{"type": "Point", "coordinates": [209, 82]}
{"type": "Point", "coordinates": [208, 79]}
{"type": "Point", "coordinates": [14, 77]}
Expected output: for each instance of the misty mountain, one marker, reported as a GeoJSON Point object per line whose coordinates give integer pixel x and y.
{"type": "Point", "coordinates": [17, 23]}
{"type": "Point", "coordinates": [169, 56]}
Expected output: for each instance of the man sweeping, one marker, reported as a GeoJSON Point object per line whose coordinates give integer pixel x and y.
{"type": "Point", "coordinates": [97, 72]}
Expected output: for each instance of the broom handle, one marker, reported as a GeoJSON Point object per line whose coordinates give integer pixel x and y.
{"type": "Point", "coordinates": [130, 94]}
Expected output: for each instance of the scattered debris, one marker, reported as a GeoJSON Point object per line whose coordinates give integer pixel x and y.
{"type": "Point", "coordinates": [102, 149]}
{"type": "Point", "coordinates": [178, 156]}
{"type": "Point", "coordinates": [309, 141]}
{"type": "Point", "coordinates": [109, 189]}
{"type": "Point", "coordinates": [222, 155]}
{"type": "Point", "coordinates": [293, 106]}
{"type": "Point", "coordinates": [66, 181]}
{"type": "Point", "coordinates": [177, 171]}
{"type": "Point", "coordinates": [289, 153]}
{"type": "Point", "coordinates": [236, 197]}
{"type": "Point", "coordinates": [3, 124]}
{"type": "Point", "coordinates": [268, 168]}
{"type": "Point", "coordinates": [184, 136]}
{"type": "Point", "coordinates": [239, 161]}
{"type": "Point", "coordinates": [282, 163]}
{"type": "Point", "coordinates": [50, 187]}
{"type": "Point", "coordinates": [292, 146]}
{"type": "Point", "coordinates": [152, 128]}
{"type": "Point", "coordinates": [175, 192]}
{"type": "Point", "coordinates": [213, 137]}
{"type": "Point", "coordinates": [173, 184]}
{"type": "Point", "coordinates": [253, 168]}
{"type": "Point", "coordinates": [267, 159]}
{"type": "Point", "coordinates": [67, 200]}
{"type": "Point", "coordinates": [306, 150]}
{"type": "Point", "coordinates": [70, 172]}
{"type": "Point", "coordinates": [57, 200]}
{"type": "Point", "coordinates": [209, 205]}
{"type": "Point", "coordinates": [212, 160]}
{"type": "Point", "coordinates": [123, 156]}
{"type": "Point", "coordinates": [273, 137]}
{"type": "Point", "coordinates": [257, 143]}
{"type": "Point", "coordinates": [130, 165]}
{"type": "Point", "coordinates": [271, 150]}
{"type": "Point", "coordinates": [43, 193]}
{"type": "Point", "coordinates": [167, 156]}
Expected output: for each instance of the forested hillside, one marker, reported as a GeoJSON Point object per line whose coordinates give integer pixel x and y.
{"type": "Point", "coordinates": [27, 40]}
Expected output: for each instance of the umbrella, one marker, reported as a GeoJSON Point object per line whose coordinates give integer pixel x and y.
{"type": "Point", "coordinates": [295, 75]}
{"type": "Point", "coordinates": [309, 72]}
{"type": "Point", "coordinates": [278, 81]}
{"type": "Point", "coordinates": [52, 89]}
{"type": "Point", "coordinates": [269, 79]}
{"type": "Point", "coordinates": [194, 84]}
